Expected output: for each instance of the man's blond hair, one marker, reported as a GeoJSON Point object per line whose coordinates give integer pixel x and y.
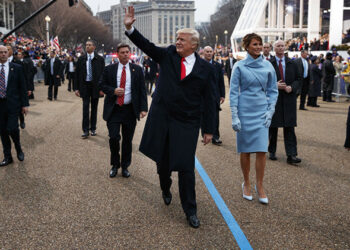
{"type": "Point", "coordinates": [194, 35]}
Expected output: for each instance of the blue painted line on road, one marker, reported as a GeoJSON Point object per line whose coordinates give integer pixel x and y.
{"type": "Point", "coordinates": [238, 234]}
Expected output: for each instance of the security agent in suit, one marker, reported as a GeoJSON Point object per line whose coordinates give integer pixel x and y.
{"type": "Point", "coordinates": [304, 69]}
{"type": "Point", "coordinates": [53, 69]}
{"type": "Point", "coordinates": [285, 116]}
{"type": "Point", "coordinates": [13, 100]}
{"type": "Point", "coordinates": [150, 69]}
{"type": "Point", "coordinates": [267, 47]}
{"type": "Point", "coordinates": [219, 91]}
{"type": "Point", "coordinates": [70, 72]}
{"type": "Point", "coordinates": [230, 62]}
{"type": "Point", "coordinates": [172, 127]}
{"type": "Point", "coordinates": [125, 102]}
{"type": "Point", "coordinates": [88, 74]}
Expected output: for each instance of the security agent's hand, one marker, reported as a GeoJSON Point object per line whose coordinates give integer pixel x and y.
{"type": "Point", "coordinates": [207, 138]}
{"type": "Point", "coordinates": [101, 93]}
{"type": "Point", "coordinates": [129, 17]}
{"type": "Point", "coordinates": [288, 89]}
{"type": "Point", "coordinates": [119, 91]}
{"type": "Point", "coordinates": [30, 93]}
{"type": "Point", "coordinates": [281, 85]}
{"type": "Point", "coordinates": [222, 99]}
{"type": "Point", "coordinates": [77, 93]}
{"type": "Point", "coordinates": [58, 77]}
{"type": "Point", "coordinates": [143, 114]}
{"type": "Point", "coordinates": [24, 110]}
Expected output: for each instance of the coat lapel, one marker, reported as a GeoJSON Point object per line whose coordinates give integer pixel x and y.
{"type": "Point", "coordinates": [176, 59]}
{"type": "Point", "coordinates": [197, 68]}
{"type": "Point", "coordinates": [114, 75]}
{"type": "Point", "coordinates": [132, 76]}
{"type": "Point", "coordinates": [11, 74]}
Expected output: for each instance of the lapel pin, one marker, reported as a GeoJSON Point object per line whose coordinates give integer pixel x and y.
{"type": "Point", "coordinates": [133, 69]}
{"type": "Point", "coordinates": [11, 68]}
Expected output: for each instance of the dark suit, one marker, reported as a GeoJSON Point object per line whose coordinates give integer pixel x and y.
{"type": "Point", "coordinates": [172, 127]}
{"type": "Point", "coordinates": [10, 107]}
{"type": "Point", "coordinates": [328, 73]}
{"type": "Point", "coordinates": [315, 84]}
{"type": "Point", "coordinates": [51, 79]}
{"type": "Point", "coordinates": [228, 68]}
{"type": "Point", "coordinates": [89, 91]}
{"type": "Point", "coordinates": [122, 116]}
{"type": "Point", "coordinates": [151, 69]}
{"type": "Point", "coordinates": [70, 75]}
{"type": "Point", "coordinates": [285, 115]}
{"type": "Point", "coordinates": [305, 82]}
{"type": "Point", "coordinates": [219, 93]}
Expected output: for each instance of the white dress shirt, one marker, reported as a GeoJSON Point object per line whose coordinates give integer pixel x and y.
{"type": "Point", "coordinates": [10, 59]}
{"type": "Point", "coordinates": [7, 69]}
{"type": "Point", "coordinates": [87, 63]}
{"type": "Point", "coordinates": [52, 62]}
{"type": "Point", "coordinates": [71, 67]}
{"type": "Point", "coordinates": [127, 93]}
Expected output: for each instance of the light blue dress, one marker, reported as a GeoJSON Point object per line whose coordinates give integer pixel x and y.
{"type": "Point", "coordinates": [253, 91]}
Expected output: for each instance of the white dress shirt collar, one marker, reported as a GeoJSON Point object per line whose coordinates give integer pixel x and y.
{"type": "Point", "coordinates": [91, 55]}
{"type": "Point", "coordinates": [189, 63]}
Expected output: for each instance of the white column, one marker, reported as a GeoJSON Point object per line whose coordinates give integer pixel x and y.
{"type": "Point", "coordinates": [301, 14]}
{"type": "Point", "coordinates": [336, 22]}
{"type": "Point", "coordinates": [272, 16]}
{"type": "Point", "coordinates": [289, 24]}
{"type": "Point", "coordinates": [313, 20]}
{"type": "Point", "coordinates": [280, 15]}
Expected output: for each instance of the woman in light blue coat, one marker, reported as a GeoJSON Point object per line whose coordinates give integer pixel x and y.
{"type": "Point", "coordinates": [253, 96]}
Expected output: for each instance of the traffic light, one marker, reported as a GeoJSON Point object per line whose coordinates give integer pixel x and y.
{"type": "Point", "coordinates": [72, 2]}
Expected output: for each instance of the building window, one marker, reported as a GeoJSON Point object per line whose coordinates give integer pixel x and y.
{"type": "Point", "coordinates": [187, 21]}
{"type": "Point", "coordinates": [165, 29]}
{"type": "Point", "coordinates": [182, 21]}
{"type": "Point", "coordinates": [171, 31]}
{"type": "Point", "coordinates": [159, 29]}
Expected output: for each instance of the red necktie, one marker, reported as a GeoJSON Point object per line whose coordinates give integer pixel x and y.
{"type": "Point", "coordinates": [120, 99]}
{"type": "Point", "coordinates": [183, 68]}
{"type": "Point", "coordinates": [280, 67]}
{"type": "Point", "coordinates": [267, 58]}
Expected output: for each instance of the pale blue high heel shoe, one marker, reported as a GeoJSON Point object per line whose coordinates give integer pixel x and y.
{"type": "Point", "coordinates": [262, 200]}
{"type": "Point", "coordinates": [247, 197]}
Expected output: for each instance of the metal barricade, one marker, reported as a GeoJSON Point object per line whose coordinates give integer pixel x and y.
{"type": "Point", "coordinates": [341, 87]}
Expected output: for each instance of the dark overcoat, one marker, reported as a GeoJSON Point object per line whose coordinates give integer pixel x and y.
{"type": "Point", "coordinates": [57, 71]}
{"type": "Point", "coordinates": [219, 83]}
{"type": "Point", "coordinates": [16, 96]}
{"type": "Point", "coordinates": [108, 84]}
{"type": "Point", "coordinates": [315, 81]}
{"type": "Point", "coordinates": [286, 106]}
{"type": "Point", "coordinates": [98, 65]}
{"type": "Point", "coordinates": [175, 112]}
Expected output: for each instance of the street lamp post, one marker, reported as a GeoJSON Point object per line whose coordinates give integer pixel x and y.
{"type": "Point", "coordinates": [47, 19]}
{"type": "Point", "coordinates": [225, 32]}
{"type": "Point", "coordinates": [216, 39]}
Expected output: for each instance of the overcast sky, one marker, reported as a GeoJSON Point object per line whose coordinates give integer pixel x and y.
{"type": "Point", "coordinates": [204, 8]}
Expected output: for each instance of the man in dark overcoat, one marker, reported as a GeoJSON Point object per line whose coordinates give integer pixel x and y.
{"type": "Point", "coordinates": [89, 70]}
{"type": "Point", "coordinates": [13, 100]}
{"type": "Point", "coordinates": [285, 116]}
{"type": "Point", "coordinates": [172, 127]}
{"type": "Point", "coordinates": [328, 73]}
{"type": "Point", "coordinates": [219, 90]}
{"type": "Point", "coordinates": [150, 69]}
{"type": "Point", "coordinates": [304, 69]}
{"type": "Point", "coordinates": [53, 69]}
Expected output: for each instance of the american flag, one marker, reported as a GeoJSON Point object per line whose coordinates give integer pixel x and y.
{"type": "Point", "coordinates": [56, 44]}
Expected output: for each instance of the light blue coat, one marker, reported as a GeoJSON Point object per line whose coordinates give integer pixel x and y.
{"type": "Point", "coordinates": [253, 92]}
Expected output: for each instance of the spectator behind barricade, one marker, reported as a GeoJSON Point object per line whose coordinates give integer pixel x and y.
{"type": "Point", "coordinates": [346, 76]}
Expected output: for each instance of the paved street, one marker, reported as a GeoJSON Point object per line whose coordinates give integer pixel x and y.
{"type": "Point", "coordinates": [61, 195]}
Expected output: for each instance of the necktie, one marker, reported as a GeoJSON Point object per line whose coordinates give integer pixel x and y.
{"type": "Point", "coordinates": [183, 68]}
{"type": "Point", "coordinates": [267, 58]}
{"type": "Point", "coordinates": [2, 82]}
{"type": "Point", "coordinates": [120, 99]}
{"type": "Point", "coordinates": [280, 67]}
{"type": "Point", "coordinates": [89, 74]}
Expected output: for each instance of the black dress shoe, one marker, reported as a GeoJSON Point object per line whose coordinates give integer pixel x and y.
{"type": "Point", "coordinates": [273, 157]}
{"type": "Point", "coordinates": [293, 159]}
{"type": "Point", "coordinates": [22, 125]}
{"type": "Point", "coordinates": [125, 173]}
{"type": "Point", "coordinates": [216, 142]}
{"type": "Point", "coordinates": [6, 162]}
{"type": "Point", "coordinates": [50, 99]}
{"type": "Point", "coordinates": [93, 133]}
{"type": "Point", "coordinates": [113, 172]}
{"type": "Point", "coordinates": [302, 108]}
{"type": "Point", "coordinates": [20, 155]}
{"type": "Point", "coordinates": [193, 221]}
{"type": "Point", "coordinates": [167, 196]}
{"type": "Point", "coordinates": [85, 135]}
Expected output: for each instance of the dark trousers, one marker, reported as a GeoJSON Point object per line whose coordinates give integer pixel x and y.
{"type": "Point", "coordinates": [70, 76]}
{"type": "Point", "coordinates": [89, 119]}
{"type": "Point", "coordinates": [186, 179]}
{"type": "Point", "coordinates": [216, 134]}
{"type": "Point", "coordinates": [312, 101]}
{"type": "Point", "coordinates": [5, 134]}
{"type": "Point", "coordinates": [304, 91]}
{"type": "Point", "coordinates": [122, 117]}
{"type": "Point", "coordinates": [149, 84]}
{"type": "Point", "coordinates": [54, 86]}
{"type": "Point", "coordinates": [290, 140]}
{"type": "Point", "coordinates": [21, 117]}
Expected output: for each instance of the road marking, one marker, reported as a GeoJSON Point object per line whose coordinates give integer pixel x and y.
{"type": "Point", "coordinates": [238, 234]}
